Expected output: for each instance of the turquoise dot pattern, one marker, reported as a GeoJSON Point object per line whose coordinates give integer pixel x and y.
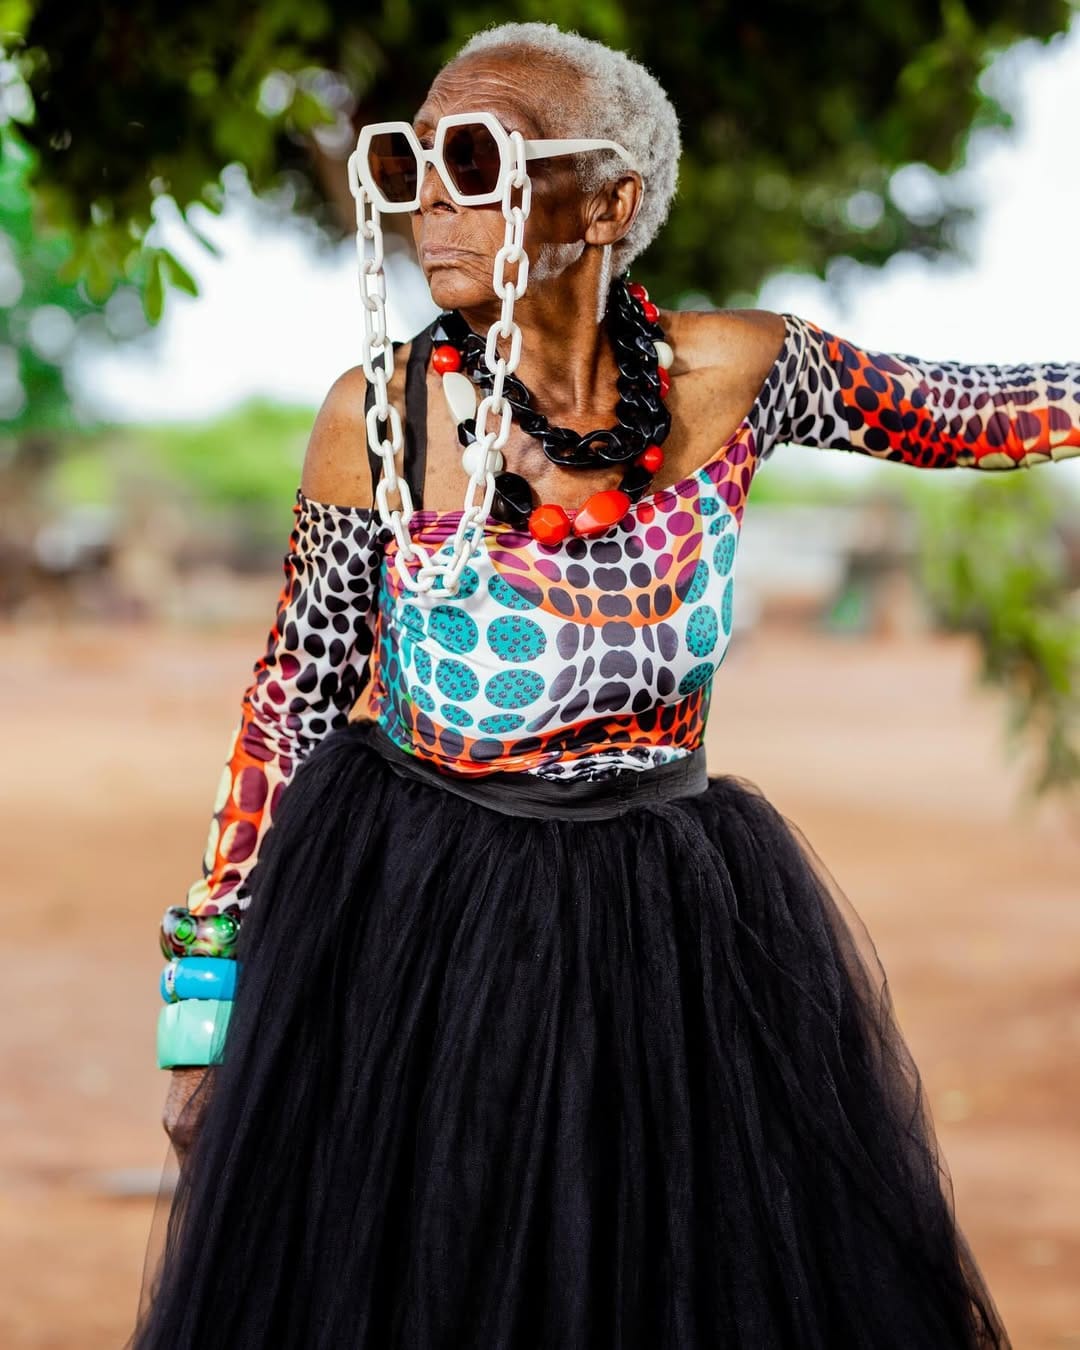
{"type": "Point", "coordinates": [539, 643]}
{"type": "Point", "coordinates": [514, 688]}
{"type": "Point", "coordinates": [412, 621]}
{"type": "Point", "coordinates": [726, 604]}
{"type": "Point", "coordinates": [505, 595]}
{"type": "Point", "coordinates": [702, 630]}
{"type": "Point", "coordinates": [724, 554]}
{"type": "Point", "coordinates": [513, 638]}
{"type": "Point", "coordinates": [500, 723]}
{"type": "Point", "coordinates": [457, 717]}
{"type": "Point", "coordinates": [695, 677]}
{"type": "Point", "coordinates": [456, 680]}
{"type": "Point", "coordinates": [700, 581]}
{"type": "Point", "coordinates": [453, 628]}
{"type": "Point", "coordinates": [469, 584]}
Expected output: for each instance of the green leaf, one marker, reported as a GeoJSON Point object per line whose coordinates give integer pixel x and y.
{"type": "Point", "coordinates": [153, 292]}
{"type": "Point", "coordinates": [14, 18]}
{"type": "Point", "coordinates": [177, 273]}
{"type": "Point", "coordinates": [203, 238]}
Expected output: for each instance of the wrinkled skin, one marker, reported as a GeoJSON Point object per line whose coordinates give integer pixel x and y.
{"type": "Point", "coordinates": [567, 228]}
{"type": "Point", "coordinates": [721, 358]}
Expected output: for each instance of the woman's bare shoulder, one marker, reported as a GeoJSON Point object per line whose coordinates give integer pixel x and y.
{"type": "Point", "coordinates": [336, 467]}
{"type": "Point", "coordinates": [737, 346]}
{"type": "Point", "coordinates": [336, 463]}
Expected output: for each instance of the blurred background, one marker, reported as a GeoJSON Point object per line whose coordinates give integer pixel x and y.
{"type": "Point", "coordinates": [177, 293]}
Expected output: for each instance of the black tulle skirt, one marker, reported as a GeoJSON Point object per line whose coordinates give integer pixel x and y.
{"type": "Point", "coordinates": [502, 1082]}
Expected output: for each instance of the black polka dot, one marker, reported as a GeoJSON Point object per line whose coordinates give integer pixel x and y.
{"type": "Point", "coordinates": [611, 698]}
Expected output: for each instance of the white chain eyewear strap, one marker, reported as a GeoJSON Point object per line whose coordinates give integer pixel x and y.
{"type": "Point", "coordinates": [383, 420]}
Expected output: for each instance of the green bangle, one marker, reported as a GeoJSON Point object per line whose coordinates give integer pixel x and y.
{"type": "Point", "coordinates": [192, 1032]}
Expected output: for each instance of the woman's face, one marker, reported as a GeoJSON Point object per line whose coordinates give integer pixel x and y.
{"type": "Point", "coordinates": [456, 245]}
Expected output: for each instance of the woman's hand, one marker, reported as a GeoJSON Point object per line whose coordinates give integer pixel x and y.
{"type": "Point", "coordinates": [181, 1124]}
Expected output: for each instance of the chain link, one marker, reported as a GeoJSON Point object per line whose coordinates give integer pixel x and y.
{"type": "Point", "coordinates": [384, 430]}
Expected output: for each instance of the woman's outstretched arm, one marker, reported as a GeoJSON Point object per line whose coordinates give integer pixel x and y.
{"type": "Point", "coordinates": [931, 414]}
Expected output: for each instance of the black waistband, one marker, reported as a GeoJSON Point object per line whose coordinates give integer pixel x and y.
{"type": "Point", "coordinates": [526, 794]}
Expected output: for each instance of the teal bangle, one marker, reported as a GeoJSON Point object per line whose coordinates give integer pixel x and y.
{"type": "Point", "coordinates": [192, 1032]}
{"type": "Point", "coordinates": [198, 977]}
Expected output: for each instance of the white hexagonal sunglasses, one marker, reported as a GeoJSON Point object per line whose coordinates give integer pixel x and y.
{"type": "Point", "coordinates": [472, 153]}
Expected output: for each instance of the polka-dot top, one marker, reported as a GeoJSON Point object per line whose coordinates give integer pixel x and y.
{"type": "Point", "coordinates": [594, 656]}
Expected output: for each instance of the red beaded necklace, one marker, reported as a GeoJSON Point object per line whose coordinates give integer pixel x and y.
{"type": "Point", "coordinates": [549, 522]}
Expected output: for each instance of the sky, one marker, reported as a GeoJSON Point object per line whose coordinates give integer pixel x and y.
{"type": "Point", "coordinates": [279, 316]}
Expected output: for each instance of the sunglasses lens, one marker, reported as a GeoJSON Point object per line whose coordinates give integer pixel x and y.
{"type": "Point", "coordinates": [393, 166]}
{"type": "Point", "coordinates": [472, 159]}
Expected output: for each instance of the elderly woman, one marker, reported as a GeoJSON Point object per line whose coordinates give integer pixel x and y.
{"type": "Point", "coordinates": [525, 1030]}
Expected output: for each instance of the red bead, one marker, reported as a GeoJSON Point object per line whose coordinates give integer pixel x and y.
{"type": "Point", "coordinates": [665, 381]}
{"type": "Point", "coordinates": [549, 524]}
{"type": "Point", "coordinates": [638, 291]}
{"type": "Point", "coordinates": [651, 458]}
{"type": "Point", "coordinates": [446, 358]}
{"type": "Point", "coordinates": [650, 311]}
{"type": "Point", "coordinates": [601, 511]}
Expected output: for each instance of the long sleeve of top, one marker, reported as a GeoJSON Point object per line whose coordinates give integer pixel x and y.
{"type": "Point", "coordinates": [931, 414]}
{"type": "Point", "coordinates": [314, 668]}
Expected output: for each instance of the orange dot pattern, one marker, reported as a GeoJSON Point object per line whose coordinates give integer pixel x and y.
{"type": "Point", "coordinates": [930, 414]}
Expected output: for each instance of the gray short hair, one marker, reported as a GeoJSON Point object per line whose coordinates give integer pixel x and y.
{"type": "Point", "coordinates": [629, 105]}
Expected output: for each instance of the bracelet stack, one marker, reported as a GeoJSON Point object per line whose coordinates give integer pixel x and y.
{"type": "Point", "coordinates": [197, 986]}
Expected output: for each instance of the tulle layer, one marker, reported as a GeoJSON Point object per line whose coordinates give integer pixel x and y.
{"type": "Point", "coordinates": [503, 1083]}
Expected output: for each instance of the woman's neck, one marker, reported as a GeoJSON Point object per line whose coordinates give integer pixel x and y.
{"type": "Point", "coordinates": [567, 360]}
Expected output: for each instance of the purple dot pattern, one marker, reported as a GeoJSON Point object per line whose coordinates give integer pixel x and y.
{"type": "Point", "coordinates": [572, 661]}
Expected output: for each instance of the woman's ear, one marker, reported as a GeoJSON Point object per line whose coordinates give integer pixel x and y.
{"type": "Point", "coordinates": [612, 209]}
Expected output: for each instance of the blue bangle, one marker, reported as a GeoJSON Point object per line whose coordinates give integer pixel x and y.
{"type": "Point", "coordinates": [198, 977]}
{"type": "Point", "coordinates": [191, 1033]}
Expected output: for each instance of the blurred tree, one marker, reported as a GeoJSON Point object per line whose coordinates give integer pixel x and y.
{"type": "Point", "coordinates": [43, 318]}
{"type": "Point", "coordinates": [1005, 575]}
{"type": "Point", "coordinates": [39, 314]}
{"type": "Point", "coordinates": [796, 117]}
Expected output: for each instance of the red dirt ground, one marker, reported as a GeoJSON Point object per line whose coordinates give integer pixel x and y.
{"type": "Point", "coordinates": [882, 751]}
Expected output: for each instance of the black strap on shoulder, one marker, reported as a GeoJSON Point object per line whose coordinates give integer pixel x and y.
{"type": "Point", "coordinates": [414, 467]}
{"type": "Point", "coordinates": [374, 458]}
{"type": "Point", "coordinates": [416, 416]}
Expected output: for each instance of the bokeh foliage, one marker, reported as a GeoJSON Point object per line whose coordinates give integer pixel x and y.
{"type": "Point", "coordinates": [995, 565]}
{"type": "Point", "coordinates": [39, 313]}
{"type": "Point", "coordinates": [796, 115]}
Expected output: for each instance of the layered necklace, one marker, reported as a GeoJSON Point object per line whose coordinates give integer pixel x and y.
{"type": "Point", "coordinates": [644, 360]}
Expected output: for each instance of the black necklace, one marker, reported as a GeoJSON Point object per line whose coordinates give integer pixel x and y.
{"type": "Point", "coordinates": [642, 419]}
